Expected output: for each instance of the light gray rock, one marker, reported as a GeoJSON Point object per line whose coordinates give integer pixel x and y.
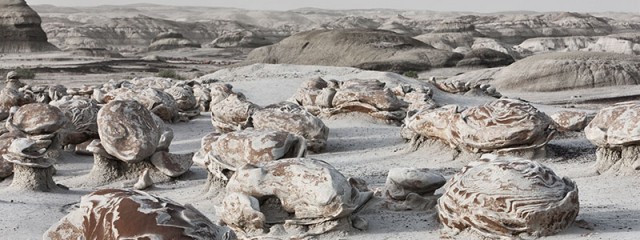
{"type": "Point", "coordinates": [20, 29]}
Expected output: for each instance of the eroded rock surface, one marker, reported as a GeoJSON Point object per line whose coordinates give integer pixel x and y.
{"type": "Point", "coordinates": [115, 214]}
{"type": "Point", "coordinates": [508, 198]}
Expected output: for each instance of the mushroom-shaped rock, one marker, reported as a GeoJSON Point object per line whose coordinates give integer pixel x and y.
{"type": "Point", "coordinates": [404, 181]}
{"type": "Point", "coordinates": [156, 101]}
{"type": "Point", "coordinates": [35, 127]}
{"type": "Point", "coordinates": [224, 154]}
{"type": "Point", "coordinates": [128, 131]}
{"type": "Point", "coordinates": [569, 120]}
{"type": "Point", "coordinates": [83, 116]}
{"type": "Point", "coordinates": [232, 113]}
{"type": "Point", "coordinates": [294, 119]}
{"type": "Point", "coordinates": [311, 190]}
{"type": "Point", "coordinates": [129, 214]}
{"type": "Point", "coordinates": [616, 132]}
{"type": "Point", "coordinates": [508, 198]}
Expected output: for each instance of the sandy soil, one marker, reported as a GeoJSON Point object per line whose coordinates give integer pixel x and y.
{"type": "Point", "coordinates": [357, 146]}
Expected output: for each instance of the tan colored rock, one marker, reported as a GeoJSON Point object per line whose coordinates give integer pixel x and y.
{"type": "Point", "coordinates": [503, 126]}
{"type": "Point", "coordinates": [83, 116]}
{"type": "Point", "coordinates": [36, 128]}
{"type": "Point", "coordinates": [292, 118]}
{"type": "Point", "coordinates": [128, 131]}
{"type": "Point", "coordinates": [172, 165]}
{"type": "Point", "coordinates": [569, 120]}
{"type": "Point", "coordinates": [370, 97]}
{"type": "Point", "coordinates": [224, 154]}
{"type": "Point", "coordinates": [616, 132]}
{"type": "Point", "coordinates": [186, 101]}
{"type": "Point", "coordinates": [403, 181]}
{"type": "Point", "coordinates": [312, 190]}
{"type": "Point", "coordinates": [113, 213]}
{"type": "Point", "coordinates": [20, 29]}
{"type": "Point", "coordinates": [508, 198]}
{"type": "Point", "coordinates": [232, 113]}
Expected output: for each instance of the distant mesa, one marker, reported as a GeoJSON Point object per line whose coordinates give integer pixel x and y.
{"type": "Point", "coordinates": [485, 57]}
{"type": "Point", "coordinates": [241, 39]}
{"type": "Point", "coordinates": [362, 48]}
{"type": "Point", "coordinates": [570, 70]}
{"type": "Point", "coordinates": [171, 40]}
{"type": "Point", "coordinates": [20, 29]}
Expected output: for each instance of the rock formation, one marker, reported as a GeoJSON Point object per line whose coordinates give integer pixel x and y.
{"type": "Point", "coordinates": [508, 198]}
{"type": "Point", "coordinates": [615, 130]}
{"type": "Point", "coordinates": [244, 39]}
{"type": "Point", "coordinates": [371, 97]}
{"type": "Point", "coordinates": [127, 214]}
{"type": "Point", "coordinates": [412, 188]}
{"type": "Point", "coordinates": [485, 57]}
{"type": "Point", "coordinates": [572, 70]}
{"type": "Point", "coordinates": [171, 40]}
{"type": "Point", "coordinates": [310, 193]}
{"type": "Point", "coordinates": [20, 29]}
{"type": "Point", "coordinates": [292, 118]}
{"type": "Point", "coordinates": [224, 154]}
{"type": "Point", "coordinates": [36, 128]}
{"type": "Point", "coordinates": [506, 126]}
{"type": "Point", "coordinates": [569, 120]}
{"type": "Point", "coordinates": [361, 48]}
{"type": "Point", "coordinates": [132, 140]}
{"type": "Point", "coordinates": [11, 96]}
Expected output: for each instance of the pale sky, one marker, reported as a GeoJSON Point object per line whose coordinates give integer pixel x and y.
{"type": "Point", "coordinates": [436, 5]}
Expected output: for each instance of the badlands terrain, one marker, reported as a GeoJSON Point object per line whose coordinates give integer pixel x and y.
{"type": "Point", "coordinates": [556, 62]}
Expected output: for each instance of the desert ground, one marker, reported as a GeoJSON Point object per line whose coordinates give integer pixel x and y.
{"type": "Point", "coordinates": [270, 70]}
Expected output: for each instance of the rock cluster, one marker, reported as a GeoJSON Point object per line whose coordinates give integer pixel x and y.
{"type": "Point", "coordinates": [301, 193]}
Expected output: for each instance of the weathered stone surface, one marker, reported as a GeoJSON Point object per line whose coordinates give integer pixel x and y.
{"type": "Point", "coordinates": [569, 120]}
{"type": "Point", "coordinates": [615, 126]}
{"type": "Point", "coordinates": [128, 131]}
{"type": "Point", "coordinates": [172, 165]}
{"type": "Point", "coordinates": [113, 213]}
{"type": "Point", "coordinates": [221, 153]}
{"type": "Point", "coordinates": [38, 118]}
{"type": "Point", "coordinates": [83, 116]}
{"type": "Point", "coordinates": [171, 40]}
{"type": "Point", "coordinates": [20, 29]}
{"type": "Point", "coordinates": [403, 181]}
{"type": "Point", "coordinates": [616, 132]}
{"type": "Point", "coordinates": [485, 57]}
{"type": "Point", "coordinates": [363, 48]}
{"type": "Point", "coordinates": [503, 125]}
{"type": "Point", "coordinates": [243, 39]}
{"type": "Point", "coordinates": [508, 198]}
{"type": "Point", "coordinates": [571, 70]}
{"type": "Point", "coordinates": [292, 118]}
{"type": "Point", "coordinates": [232, 113]}
{"type": "Point", "coordinates": [312, 190]}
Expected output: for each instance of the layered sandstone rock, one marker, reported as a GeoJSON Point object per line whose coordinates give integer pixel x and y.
{"type": "Point", "coordinates": [20, 29]}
